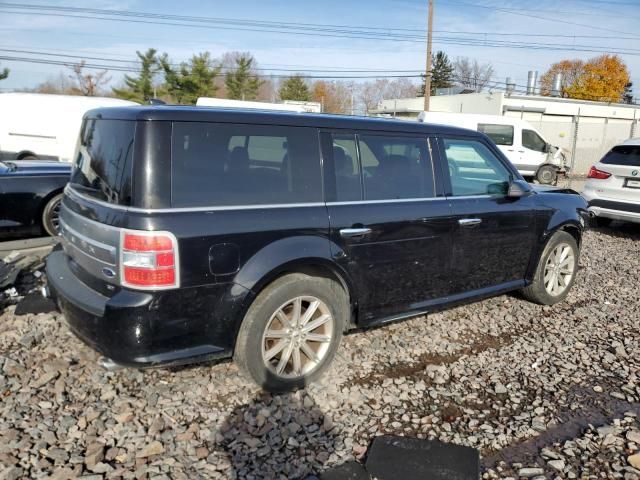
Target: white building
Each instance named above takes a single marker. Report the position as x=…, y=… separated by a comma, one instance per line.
x=587, y=130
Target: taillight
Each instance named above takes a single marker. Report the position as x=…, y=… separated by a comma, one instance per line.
x=598, y=174
x=149, y=260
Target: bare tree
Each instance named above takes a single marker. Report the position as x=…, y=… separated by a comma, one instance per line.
x=370, y=94
x=88, y=84
x=59, y=84
x=472, y=74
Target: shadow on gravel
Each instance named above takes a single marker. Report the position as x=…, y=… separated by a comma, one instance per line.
x=620, y=229
x=280, y=436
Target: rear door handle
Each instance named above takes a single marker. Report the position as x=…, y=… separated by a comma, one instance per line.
x=354, y=232
x=468, y=222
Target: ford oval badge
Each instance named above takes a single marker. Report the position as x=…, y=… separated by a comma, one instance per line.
x=107, y=272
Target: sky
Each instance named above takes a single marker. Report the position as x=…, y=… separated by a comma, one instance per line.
x=597, y=25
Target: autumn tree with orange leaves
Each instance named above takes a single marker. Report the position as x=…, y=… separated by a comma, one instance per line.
x=602, y=78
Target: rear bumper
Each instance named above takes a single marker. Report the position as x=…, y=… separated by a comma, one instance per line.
x=627, y=212
x=145, y=329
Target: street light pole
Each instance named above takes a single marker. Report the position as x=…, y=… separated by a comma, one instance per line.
x=427, y=73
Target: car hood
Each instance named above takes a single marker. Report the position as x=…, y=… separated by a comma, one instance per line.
x=38, y=167
x=552, y=189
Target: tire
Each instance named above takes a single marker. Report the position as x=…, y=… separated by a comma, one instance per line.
x=254, y=350
x=538, y=291
x=29, y=157
x=601, y=221
x=50, y=215
x=547, y=175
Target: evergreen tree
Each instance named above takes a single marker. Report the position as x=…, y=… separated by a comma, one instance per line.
x=4, y=73
x=295, y=88
x=627, y=95
x=140, y=88
x=242, y=83
x=441, y=73
x=191, y=80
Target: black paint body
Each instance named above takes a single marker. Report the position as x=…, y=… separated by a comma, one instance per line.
x=25, y=188
x=417, y=257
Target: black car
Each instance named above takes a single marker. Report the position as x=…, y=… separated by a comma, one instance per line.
x=30, y=195
x=191, y=233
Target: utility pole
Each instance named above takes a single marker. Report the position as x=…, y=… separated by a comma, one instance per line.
x=427, y=73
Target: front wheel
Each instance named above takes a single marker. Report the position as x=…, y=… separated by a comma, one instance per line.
x=556, y=270
x=291, y=332
x=51, y=215
x=547, y=175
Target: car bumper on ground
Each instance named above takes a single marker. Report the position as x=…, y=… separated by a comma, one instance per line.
x=142, y=329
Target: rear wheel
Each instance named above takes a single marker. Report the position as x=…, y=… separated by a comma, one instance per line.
x=291, y=332
x=51, y=215
x=547, y=175
x=556, y=270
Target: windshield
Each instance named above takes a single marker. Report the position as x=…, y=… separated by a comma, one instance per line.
x=103, y=163
x=628, y=155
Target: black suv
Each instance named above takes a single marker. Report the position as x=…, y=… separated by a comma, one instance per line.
x=191, y=233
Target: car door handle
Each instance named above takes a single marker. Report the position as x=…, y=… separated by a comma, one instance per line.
x=354, y=232
x=468, y=222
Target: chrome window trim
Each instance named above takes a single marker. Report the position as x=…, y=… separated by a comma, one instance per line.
x=391, y=200
x=193, y=209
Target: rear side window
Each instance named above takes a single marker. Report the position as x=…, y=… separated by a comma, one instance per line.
x=389, y=167
x=102, y=168
x=223, y=164
x=628, y=155
x=500, y=134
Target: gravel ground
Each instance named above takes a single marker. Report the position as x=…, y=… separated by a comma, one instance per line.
x=542, y=392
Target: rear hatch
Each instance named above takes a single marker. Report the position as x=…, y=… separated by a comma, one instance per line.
x=623, y=163
x=94, y=207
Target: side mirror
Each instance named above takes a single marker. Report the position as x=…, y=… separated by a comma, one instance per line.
x=547, y=147
x=518, y=188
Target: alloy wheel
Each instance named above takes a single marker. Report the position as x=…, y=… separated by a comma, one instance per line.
x=297, y=337
x=559, y=269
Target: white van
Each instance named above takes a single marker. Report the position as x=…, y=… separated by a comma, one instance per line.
x=521, y=143
x=44, y=126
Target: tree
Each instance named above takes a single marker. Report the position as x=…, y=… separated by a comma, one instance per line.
x=243, y=83
x=472, y=74
x=87, y=84
x=60, y=84
x=627, y=95
x=140, y=88
x=441, y=73
x=570, y=70
x=370, y=94
x=4, y=73
x=335, y=97
x=604, y=79
x=192, y=79
x=294, y=88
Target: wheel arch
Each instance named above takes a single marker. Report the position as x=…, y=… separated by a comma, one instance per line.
x=25, y=153
x=306, y=254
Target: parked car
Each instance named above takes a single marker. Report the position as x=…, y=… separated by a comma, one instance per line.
x=38, y=126
x=30, y=195
x=613, y=185
x=191, y=233
x=522, y=144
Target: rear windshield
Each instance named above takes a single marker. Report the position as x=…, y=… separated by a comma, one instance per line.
x=628, y=155
x=102, y=168
x=225, y=164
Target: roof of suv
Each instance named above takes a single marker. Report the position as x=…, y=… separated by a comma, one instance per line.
x=268, y=117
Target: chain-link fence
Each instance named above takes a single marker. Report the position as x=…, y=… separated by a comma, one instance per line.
x=584, y=140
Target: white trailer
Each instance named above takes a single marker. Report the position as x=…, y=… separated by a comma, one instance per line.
x=44, y=126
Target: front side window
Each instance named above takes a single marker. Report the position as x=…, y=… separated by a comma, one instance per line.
x=223, y=164
x=500, y=134
x=533, y=141
x=474, y=169
x=628, y=155
x=102, y=169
